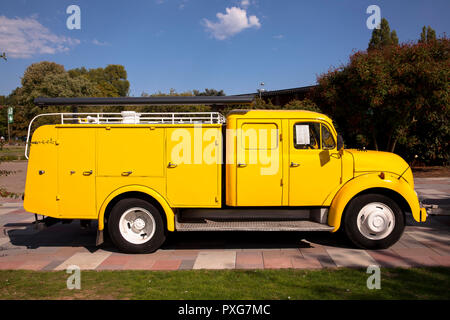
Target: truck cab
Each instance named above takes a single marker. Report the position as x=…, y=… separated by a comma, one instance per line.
x=144, y=175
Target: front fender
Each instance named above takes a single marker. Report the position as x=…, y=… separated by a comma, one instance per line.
x=369, y=181
x=170, y=216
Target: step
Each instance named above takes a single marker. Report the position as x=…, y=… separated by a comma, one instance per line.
x=318, y=214
x=245, y=225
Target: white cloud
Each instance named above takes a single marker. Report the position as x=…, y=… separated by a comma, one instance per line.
x=278, y=36
x=25, y=37
x=100, y=43
x=232, y=22
x=245, y=3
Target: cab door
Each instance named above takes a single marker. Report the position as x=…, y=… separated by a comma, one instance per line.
x=314, y=163
x=76, y=173
x=259, y=163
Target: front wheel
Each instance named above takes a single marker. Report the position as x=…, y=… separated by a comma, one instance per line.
x=373, y=221
x=136, y=226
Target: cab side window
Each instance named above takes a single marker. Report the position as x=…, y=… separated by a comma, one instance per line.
x=307, y=135
x=327, y=139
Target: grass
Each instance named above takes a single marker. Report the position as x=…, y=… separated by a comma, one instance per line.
x=12, y=152
x=414, y=283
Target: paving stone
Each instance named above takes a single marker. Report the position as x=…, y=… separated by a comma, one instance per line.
x=387, y=258
x=351, y=257
x=421, y=261
x=114, y=262
x=186, y=264
x=10, y=265
x=139, y=264
x=84, y=260
x=302, y=263
x=439, y=247
x=249, y=260
x=414, y=252
x=216, y=260
x=442, y=260
x=319, y=254
x=52, y=265
x=34, y=264
x=166, y=265
x=410, y=242
x=431, y=236
x=273, y=260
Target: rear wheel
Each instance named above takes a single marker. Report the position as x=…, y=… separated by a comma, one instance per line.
x=136, y=226
x=373, y=221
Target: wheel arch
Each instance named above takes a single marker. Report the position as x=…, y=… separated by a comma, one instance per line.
x=397, y=190
x=140, y=192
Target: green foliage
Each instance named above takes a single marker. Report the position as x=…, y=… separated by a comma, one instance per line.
x=109, y=82
x=305, y=104
x=394, y=95
x=383, y=36
x=49, y=79
x=208, y=92
x=186, y=108
x=427, y=35
x=3, y=56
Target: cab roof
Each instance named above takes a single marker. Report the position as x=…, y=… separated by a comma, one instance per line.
x=277, y=114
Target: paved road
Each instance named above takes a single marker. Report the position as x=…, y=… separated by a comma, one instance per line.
x=23, y=247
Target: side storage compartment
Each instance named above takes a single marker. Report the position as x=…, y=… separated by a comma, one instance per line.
x=194, y=166
x=40, y=186
x=76, y=172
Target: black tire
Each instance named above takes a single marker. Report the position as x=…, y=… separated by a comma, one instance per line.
x=159, y=235
x=357, y=237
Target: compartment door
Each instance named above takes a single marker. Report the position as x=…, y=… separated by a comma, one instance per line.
x=259, y=163
x=194, y=166
x=76, y=173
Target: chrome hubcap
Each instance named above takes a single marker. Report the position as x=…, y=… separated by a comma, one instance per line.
x=137, y=225
x=376, y=221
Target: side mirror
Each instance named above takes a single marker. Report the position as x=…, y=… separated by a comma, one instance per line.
x=340, y=142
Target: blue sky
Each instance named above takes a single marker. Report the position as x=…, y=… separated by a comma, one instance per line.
x=185, y=44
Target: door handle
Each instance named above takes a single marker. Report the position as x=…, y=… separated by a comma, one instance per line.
x=171, y=165
x=127, y=173
x=87, y=173
x=242, y=165
x=293, y=164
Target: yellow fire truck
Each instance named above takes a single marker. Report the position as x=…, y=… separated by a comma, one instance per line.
x=142, y=175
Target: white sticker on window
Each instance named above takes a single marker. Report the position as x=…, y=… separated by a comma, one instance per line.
x=302, y=134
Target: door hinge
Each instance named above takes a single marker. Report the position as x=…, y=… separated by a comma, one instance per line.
x=281, y=182
x=281, y=137
x=57, y=198
x=216, y=199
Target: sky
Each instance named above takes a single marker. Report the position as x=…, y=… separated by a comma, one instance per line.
x=232, y=45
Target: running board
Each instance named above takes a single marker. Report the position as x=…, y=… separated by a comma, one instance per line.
x=227, y=225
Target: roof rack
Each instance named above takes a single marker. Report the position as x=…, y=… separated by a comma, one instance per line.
x=131, y=118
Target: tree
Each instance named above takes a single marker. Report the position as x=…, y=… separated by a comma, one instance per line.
x=45, y=79
x=393, y=95
x=208, y=92
x=305, y=104
x=3, y=56
x=383, y=36
x=110, y=81
x=427, y=35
